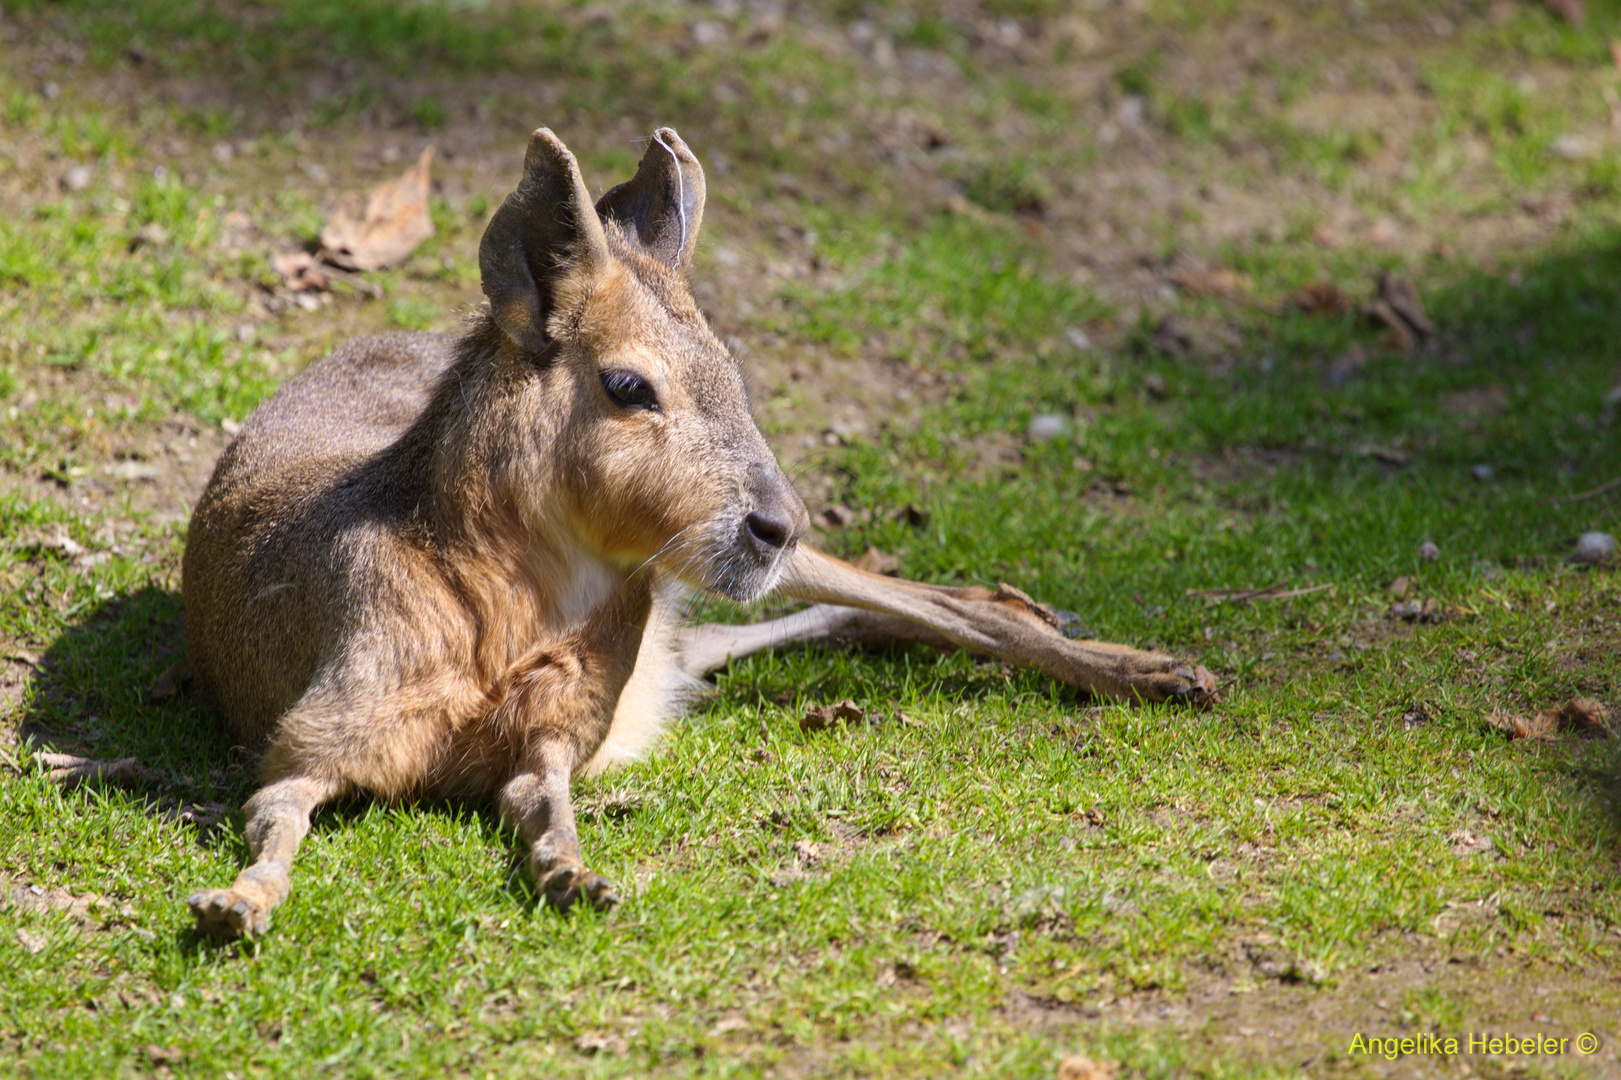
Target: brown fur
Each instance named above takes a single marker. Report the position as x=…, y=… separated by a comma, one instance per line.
x=432, y=565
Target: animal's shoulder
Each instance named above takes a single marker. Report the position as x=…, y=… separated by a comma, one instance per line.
x=366, y=390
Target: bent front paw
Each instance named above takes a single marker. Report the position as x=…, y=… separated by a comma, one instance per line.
x=564, y=885
x=229, y=913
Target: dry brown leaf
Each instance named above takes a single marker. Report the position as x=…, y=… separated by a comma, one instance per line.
x=1390, y=455
x=383, y=226
x=822, y=717
x=835, y=517
x=1328, y=236
x=1572, y=11
x=168, y=682
x=1586, y=716
x=878, y=561
x=1081, y=1067
x=299, y=271
x=1427, y=610
x=1397, y=306
x=1518, y=726
x=1219, y=281
x=1322, y=298
x=913, y=515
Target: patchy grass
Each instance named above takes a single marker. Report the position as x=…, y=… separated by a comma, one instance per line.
x=929, y=224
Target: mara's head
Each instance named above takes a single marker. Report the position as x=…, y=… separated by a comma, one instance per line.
x=633, y=420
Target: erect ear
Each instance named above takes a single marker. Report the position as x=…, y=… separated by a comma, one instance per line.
x=661, y=207
x=543, y=230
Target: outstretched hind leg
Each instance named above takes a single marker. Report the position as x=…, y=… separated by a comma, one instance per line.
x=278, y=819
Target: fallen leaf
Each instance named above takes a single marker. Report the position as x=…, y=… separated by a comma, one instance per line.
x=1397, y=306
x=382, y=227
x=877, y=561
x=727, y=1025
x=913, y=515
x=169, y=681
x=1572, y=11
x=1173, y=338
x=299, y=271
x=1427, y=610
x=1387, y=454
x=132, y=471
x=150, y=235
x=1080, y=1067
x=1586, y=716
x=1470, y=843
x=1196, y=279
x=1322, y=298
x=1519, y=726
x=592, y=1043
x=835, y=517
x=1328, y=236
x=822, y=717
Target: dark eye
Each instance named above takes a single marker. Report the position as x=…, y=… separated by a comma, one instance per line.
x=629, y=389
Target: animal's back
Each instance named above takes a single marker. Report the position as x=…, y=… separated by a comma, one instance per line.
x=259, y=570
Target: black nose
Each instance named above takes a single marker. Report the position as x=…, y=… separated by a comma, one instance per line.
x=769, y=534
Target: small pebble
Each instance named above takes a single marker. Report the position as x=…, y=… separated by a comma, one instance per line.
x=1428, y=551
x=1573, y=147
x=1483, y=473
x=1594, y=548
x=77, y=178
x=1078, y=338
x=1048, y=426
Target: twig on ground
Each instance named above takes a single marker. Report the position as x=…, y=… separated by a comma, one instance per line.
x=1609, y=485
x=1280, y=591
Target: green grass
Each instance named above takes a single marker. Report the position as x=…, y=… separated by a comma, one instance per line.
x=1011, y=873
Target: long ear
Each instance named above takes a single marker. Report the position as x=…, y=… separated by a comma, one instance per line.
x=662, y=206
x=543, y=229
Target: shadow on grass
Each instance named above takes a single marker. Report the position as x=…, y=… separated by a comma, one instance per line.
x=1519, y=377
x=92, y=700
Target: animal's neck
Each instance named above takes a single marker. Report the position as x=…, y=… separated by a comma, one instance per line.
x=496, y=515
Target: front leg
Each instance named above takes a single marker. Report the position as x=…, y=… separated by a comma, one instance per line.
x=278, y=819
x=558, y=705
x=537, y=802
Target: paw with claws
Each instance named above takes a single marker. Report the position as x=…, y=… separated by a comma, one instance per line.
x=244, y=909
x=563, y=885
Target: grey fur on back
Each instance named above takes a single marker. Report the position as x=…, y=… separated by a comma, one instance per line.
x=323, y=431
